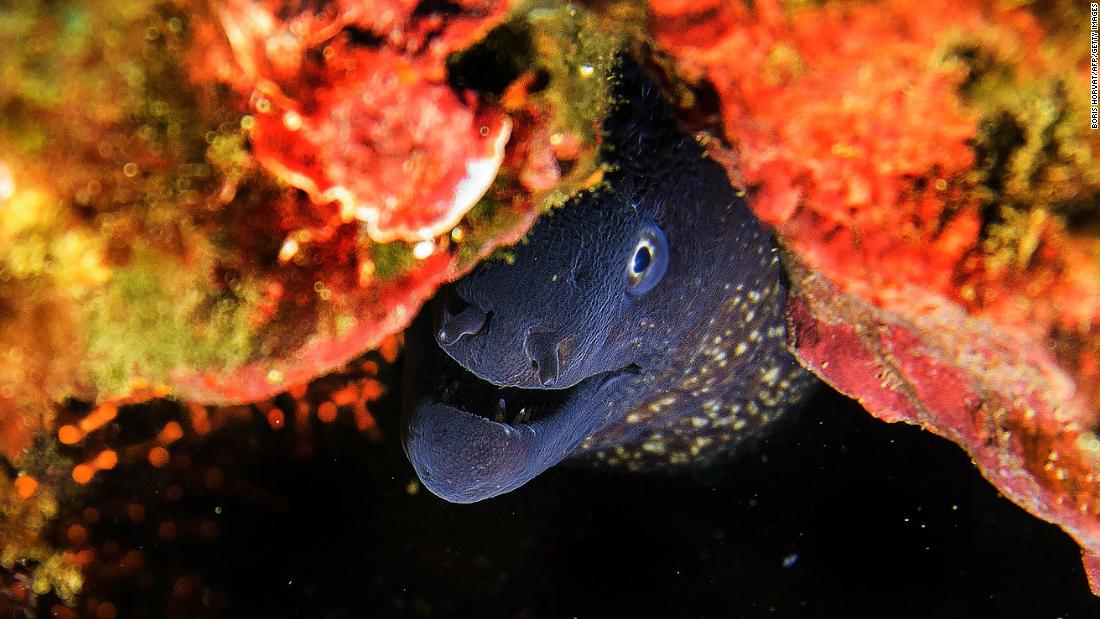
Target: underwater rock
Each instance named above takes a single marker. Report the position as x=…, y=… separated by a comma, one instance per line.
x=1005, y=401
x=372, y=126
x=250, y=195
x=410, y=183
x=931, y=169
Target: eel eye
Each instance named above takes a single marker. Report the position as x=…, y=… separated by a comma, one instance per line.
x=648, y=260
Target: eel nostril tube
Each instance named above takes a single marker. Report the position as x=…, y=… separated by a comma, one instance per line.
x=548, y=370
x=542, y=349
x=467, y=322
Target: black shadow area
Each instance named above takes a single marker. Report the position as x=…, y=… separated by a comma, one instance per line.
x=835, y=514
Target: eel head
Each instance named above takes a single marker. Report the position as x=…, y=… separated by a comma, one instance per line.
x=527, y=358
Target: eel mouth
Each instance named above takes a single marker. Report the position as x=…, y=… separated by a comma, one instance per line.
x=470, y=439
x=463, y=390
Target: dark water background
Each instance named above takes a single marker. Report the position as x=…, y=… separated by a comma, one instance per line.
x=834, y=514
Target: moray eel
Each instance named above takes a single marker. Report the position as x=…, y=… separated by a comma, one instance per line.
x=639, y=325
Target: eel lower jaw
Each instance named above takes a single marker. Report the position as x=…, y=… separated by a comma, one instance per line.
x=464, y=457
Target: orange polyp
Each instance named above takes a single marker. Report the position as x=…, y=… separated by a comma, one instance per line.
x=91, y=515
x=133, y=559
x=107, y=459
x=276, y=419
x=18, y=591
x=25, y=486
x=372, y=389
x=106, y=610
x=200, y=420
x=69, y=435
x=363, y=419
x=158, y=457
x=170, y=433
x=80, y=558
x=77, y=534
x=345, y=396
x=326, y=412
x=99, y=417
x=136, y=512
x=389, y=349
x=83, y=473
x=104, y=460
x=298, y=391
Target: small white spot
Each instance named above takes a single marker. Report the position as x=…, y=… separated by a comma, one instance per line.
x=7, y=183
x=288, y=250
x=423, y=249
x=292, y=121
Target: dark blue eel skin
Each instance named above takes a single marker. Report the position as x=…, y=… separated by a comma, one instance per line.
x=641, y=325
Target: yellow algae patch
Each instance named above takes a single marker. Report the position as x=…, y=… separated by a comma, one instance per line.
x=26, y=510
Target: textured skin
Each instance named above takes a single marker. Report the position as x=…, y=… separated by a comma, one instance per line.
x=674, y=375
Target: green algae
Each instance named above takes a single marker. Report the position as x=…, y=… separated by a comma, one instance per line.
x=153, y=316
x=392, y=260
x=25, y=523
x=571, y=51
x=125, y=226
x=1036, y=159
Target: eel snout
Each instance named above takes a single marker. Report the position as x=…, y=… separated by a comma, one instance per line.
x=469, y=439
x=464, y=458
